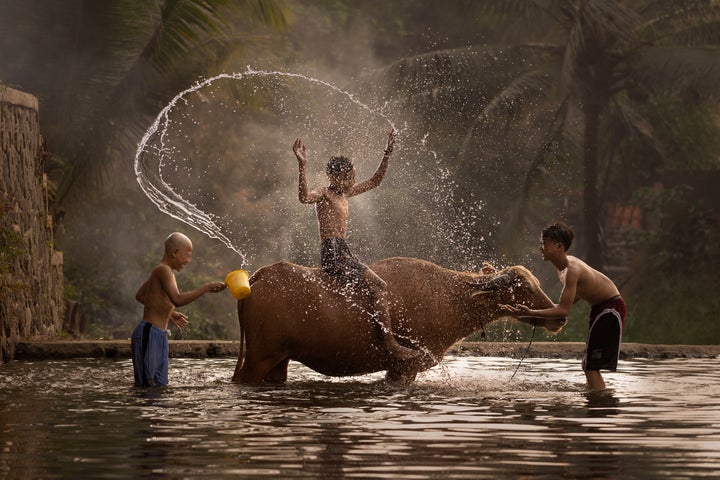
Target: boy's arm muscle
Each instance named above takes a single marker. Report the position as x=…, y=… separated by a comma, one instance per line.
x=179, y=299
x=560, y=310
x=568, y=296
x=169, y=285
x=304, y=195
x=377, y=177
x=371, y=182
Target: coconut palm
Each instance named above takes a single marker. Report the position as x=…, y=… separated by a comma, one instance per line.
x=156, y=49
x=596, y=60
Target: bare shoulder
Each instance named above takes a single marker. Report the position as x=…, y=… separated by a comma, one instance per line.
x=160, y=269
x=161, y=272
x=580, y=266
x=577, y=263
x=321, y=193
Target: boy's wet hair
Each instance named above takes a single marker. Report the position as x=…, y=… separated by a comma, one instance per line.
x=559, y=232
x=338, y=165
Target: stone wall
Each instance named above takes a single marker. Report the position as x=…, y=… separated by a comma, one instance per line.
x=31, y=276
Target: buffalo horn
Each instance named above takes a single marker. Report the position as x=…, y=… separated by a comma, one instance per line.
x=500, y=281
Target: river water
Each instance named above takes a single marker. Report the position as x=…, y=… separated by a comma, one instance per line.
x=463, y=419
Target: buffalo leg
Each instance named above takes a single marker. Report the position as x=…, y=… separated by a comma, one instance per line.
x=257, y=370
x=278, y=374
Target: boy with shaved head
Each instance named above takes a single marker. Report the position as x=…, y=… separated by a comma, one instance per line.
x=160, y=295
x=331, y=206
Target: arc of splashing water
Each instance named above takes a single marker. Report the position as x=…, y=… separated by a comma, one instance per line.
x=164, y=196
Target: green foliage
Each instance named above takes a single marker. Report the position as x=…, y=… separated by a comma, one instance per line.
x=675, y=299
x=690, y=132
x=684, y=240
x=675, y=308
x=12, y=247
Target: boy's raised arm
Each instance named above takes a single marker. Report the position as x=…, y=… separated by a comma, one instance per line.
x=377, y=177
x=303, y=195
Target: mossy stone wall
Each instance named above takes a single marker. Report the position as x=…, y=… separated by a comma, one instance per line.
x=31, y=270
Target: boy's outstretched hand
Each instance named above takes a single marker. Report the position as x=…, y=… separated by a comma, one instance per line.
x=299, y=150
x=519, y=310
x=180, y=320
x=216, y=287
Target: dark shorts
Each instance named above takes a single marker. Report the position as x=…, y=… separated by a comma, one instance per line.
x=337, y=260
x=603, y=342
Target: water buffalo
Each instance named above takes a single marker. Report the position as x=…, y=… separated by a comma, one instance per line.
x=300, y=313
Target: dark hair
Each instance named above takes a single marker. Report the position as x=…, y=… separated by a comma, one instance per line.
x=559, y=232
x=338, y=165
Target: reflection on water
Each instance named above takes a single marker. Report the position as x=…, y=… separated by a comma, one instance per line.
x=464, y=419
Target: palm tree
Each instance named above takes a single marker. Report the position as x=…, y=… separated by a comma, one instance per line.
x=598, y=59
x=187, y=39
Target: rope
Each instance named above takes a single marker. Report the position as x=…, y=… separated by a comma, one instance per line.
x=524, y=354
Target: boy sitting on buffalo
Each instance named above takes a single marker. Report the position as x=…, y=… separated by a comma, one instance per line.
x=331, y=205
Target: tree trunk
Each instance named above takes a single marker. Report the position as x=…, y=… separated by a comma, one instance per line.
x=593, y=253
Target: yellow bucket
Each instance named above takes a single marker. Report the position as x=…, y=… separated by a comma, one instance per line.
x=239, y=283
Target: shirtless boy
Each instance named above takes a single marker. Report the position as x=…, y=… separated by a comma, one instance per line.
x=160, y=295
x=331, y=205
x=581, y=282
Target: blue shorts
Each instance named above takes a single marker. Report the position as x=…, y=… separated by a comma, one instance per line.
x=150, y=355
x=603, y=343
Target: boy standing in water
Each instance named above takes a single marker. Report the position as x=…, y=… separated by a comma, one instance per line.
x=582, y=282
x=160, y=295
x=331, y=205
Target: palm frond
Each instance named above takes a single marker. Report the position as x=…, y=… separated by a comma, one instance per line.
x=599, y=29
x=673, y=69
x=609, y=21
x=488, y=66
x=538, y=166
x=520, y=94
x=185, y=25
x=691, y=22
x=624, y=117
x=190, y=37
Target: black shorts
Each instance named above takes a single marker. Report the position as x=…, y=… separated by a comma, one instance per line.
x=337, y=260
x=604, y=336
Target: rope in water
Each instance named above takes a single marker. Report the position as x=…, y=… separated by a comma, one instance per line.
x=524, y=354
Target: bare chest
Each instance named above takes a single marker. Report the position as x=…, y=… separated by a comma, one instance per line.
x=333, y=206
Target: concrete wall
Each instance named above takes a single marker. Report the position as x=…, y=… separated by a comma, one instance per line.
x=31, y=276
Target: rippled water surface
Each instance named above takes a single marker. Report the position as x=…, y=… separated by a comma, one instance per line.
x=463, y=419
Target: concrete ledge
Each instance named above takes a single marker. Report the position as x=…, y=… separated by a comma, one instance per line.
x=120, y=349
x=50, y=350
